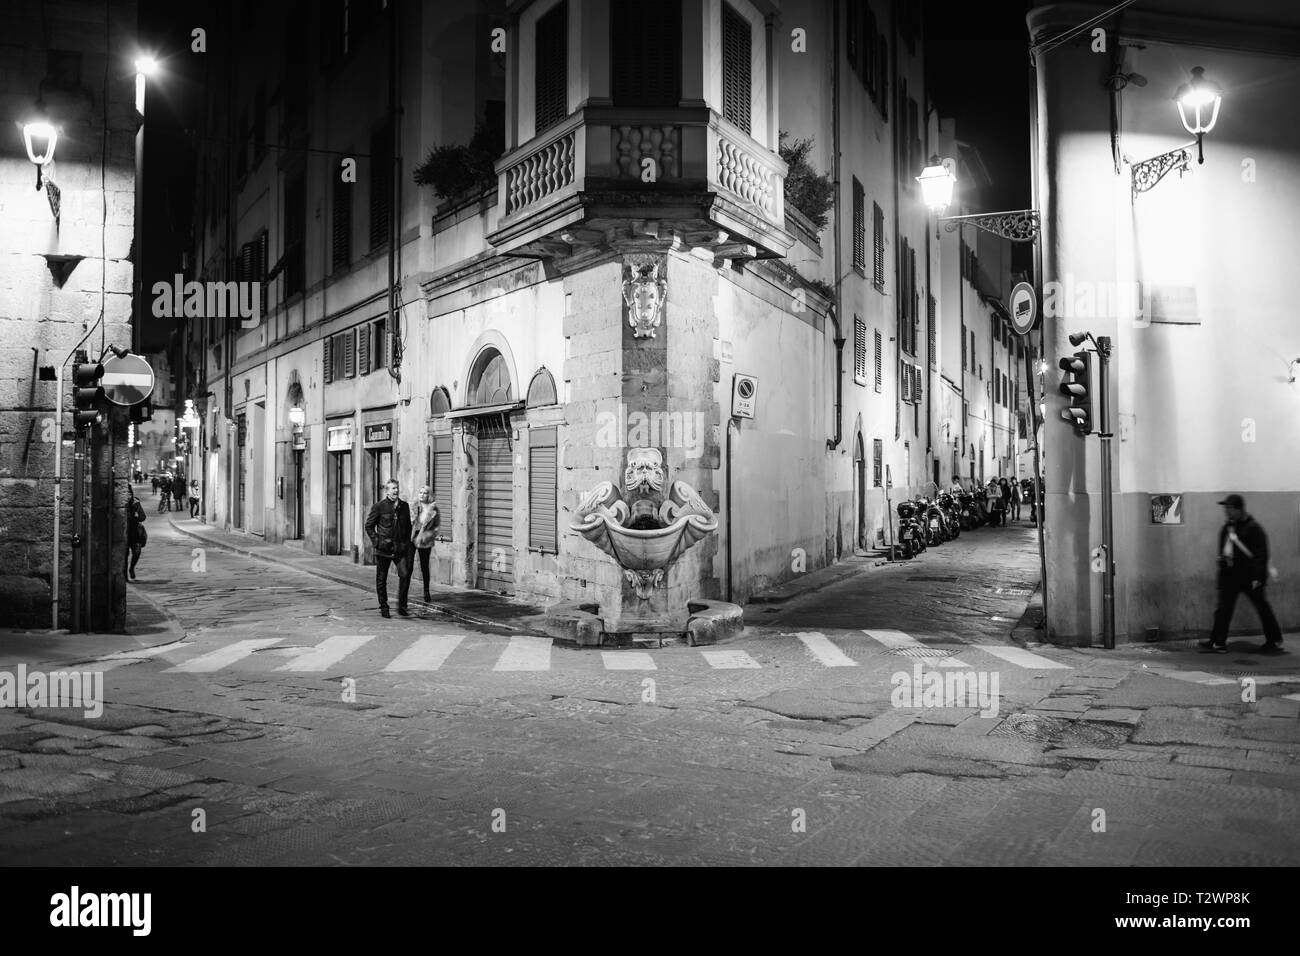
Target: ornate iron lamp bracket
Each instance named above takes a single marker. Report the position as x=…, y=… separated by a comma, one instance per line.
x=1150, y=171
x=1018, y=225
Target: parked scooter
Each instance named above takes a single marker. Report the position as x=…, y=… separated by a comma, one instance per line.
x=911, y=535
x=969, y=516
x=935, y=522
x=952, y=513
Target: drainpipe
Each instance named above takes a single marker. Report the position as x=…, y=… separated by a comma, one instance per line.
x=834, y=313
x=395, y=194
x=727, y=513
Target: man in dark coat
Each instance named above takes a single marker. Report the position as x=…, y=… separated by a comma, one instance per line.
x=1243, y=569
x=389, y=528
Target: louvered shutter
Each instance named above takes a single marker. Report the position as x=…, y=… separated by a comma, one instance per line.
x=736, y=54
x=914, y=301
x=859, y=350
x=380, y=357
x=878, y=240
x=551, y=73
x=930, y=329
x=917, y=379
x=859, y=226
x=879, y=356
x=350, y=354
x=542, y=487
x=328, y=363
x=363, y=350
x=381, y=184
x=263, y=266
x=646, y=63
x=342, y=223
x=441, y=484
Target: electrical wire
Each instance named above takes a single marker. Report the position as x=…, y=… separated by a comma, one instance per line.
x=1047, y=46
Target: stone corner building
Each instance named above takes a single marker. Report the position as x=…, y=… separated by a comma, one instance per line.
x=598, y=289
x=65, y=275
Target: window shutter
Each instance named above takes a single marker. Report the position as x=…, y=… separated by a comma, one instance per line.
x=736, y=54
x=363, y=349
x=350, y=354
x=859, y=351
x=328, y=364
x=878, y=240
x=879, y=350
x=930, y=330
x=381, y=184
x=342, y=223
x=380, y=357
x=441, y=483
x=551, y=73
x=877, y=461
x=646, y=63
x=859, y=226
x=917, y=379
x=914, y=301
x=542, y=487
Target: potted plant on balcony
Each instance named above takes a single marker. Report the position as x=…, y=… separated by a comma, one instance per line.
x=459, y=171
x=806, y=190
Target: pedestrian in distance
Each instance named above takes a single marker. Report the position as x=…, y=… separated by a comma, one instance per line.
x=194, y=498
x=424, y=528
x=1243, y=569
x=153, y=480
x=136, y=536
x=388, y=525
x=1014, y=488
x=164, y=493
x=180, y=490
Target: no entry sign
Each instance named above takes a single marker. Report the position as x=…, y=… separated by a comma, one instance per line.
x=127, y=380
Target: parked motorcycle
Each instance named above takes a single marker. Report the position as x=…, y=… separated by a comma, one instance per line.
x=911, y=534
x=952, y=513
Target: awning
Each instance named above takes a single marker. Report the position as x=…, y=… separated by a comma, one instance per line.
x=476, y=410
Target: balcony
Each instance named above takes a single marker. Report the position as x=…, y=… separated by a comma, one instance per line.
x=586, y=181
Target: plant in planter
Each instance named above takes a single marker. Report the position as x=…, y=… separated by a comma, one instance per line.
x=454, y=170
x=807, y=190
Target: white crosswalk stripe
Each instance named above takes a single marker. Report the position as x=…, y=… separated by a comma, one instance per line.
x=327, y=653
x=729, y=660
x=110, y=661
x=824, y=650
x=427, y=653
x=628, y=661
x=905, y=645
x=1021, y=657
x=526, y=654
x=222, y=656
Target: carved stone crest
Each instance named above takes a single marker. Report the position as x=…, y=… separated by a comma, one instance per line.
x=644, y=291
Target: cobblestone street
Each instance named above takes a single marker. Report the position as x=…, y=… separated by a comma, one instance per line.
x=308, y=730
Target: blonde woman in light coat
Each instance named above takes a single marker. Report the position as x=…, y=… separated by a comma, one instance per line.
x=424, y=526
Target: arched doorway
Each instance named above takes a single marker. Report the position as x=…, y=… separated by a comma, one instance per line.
x=490, y=386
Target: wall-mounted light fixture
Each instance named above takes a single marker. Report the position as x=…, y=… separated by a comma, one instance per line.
x=1198, y=103
x=937, y=181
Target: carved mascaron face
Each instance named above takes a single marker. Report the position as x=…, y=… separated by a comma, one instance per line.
x=644, y=474
x=644, y=292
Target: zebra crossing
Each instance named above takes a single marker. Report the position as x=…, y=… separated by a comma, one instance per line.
x=528, y=654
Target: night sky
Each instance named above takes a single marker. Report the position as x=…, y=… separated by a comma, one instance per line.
x=977, y=57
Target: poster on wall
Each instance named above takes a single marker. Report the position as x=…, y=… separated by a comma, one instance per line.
x=1166, y=509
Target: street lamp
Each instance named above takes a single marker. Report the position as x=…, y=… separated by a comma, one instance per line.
x=145, y=66
x=937, y=181
x=40, y=137
x=1199, y=96
x=1198, y=103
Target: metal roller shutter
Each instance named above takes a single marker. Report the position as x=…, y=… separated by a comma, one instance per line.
x=542, y=482
x=496, y=545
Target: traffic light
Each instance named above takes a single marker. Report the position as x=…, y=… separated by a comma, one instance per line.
x=86, y=391
x=1077, y=387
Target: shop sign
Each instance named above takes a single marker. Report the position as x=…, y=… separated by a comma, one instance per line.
x=339, y=437
x=379, y=434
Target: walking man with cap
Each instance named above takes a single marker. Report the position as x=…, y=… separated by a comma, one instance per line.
x=1243, y=569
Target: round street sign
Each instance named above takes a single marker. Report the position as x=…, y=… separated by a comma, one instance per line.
x=1024, y=307
x=127, y=380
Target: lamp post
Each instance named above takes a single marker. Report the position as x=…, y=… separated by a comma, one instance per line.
x=145, y=66
x=40, y=136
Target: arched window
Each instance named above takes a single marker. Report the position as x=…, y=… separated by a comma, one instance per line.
x=541, y=390
x=439, y=402
x=489, y=380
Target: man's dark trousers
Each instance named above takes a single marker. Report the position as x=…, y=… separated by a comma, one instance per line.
x=402, y=563
x=1229, y=587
